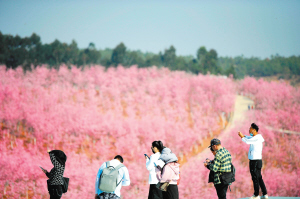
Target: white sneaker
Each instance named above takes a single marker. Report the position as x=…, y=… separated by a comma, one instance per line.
x=265, y=196
x=254, y=197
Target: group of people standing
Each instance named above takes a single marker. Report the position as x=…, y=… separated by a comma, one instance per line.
x=163, y=170
x=164, y=173
x=222, y=164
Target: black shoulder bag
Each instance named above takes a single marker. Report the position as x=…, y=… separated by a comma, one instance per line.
x=228, y=177
x=65, y=185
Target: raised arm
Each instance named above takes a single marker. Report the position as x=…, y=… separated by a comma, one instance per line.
x=251, y=140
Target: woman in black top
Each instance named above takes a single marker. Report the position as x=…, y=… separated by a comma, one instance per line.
x=55, y=181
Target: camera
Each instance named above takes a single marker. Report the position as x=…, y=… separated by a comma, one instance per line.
x=208, y=162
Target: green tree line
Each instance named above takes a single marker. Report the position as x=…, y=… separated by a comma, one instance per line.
x=30, y=52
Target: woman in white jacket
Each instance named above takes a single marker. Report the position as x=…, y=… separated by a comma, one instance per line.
x=154, y=193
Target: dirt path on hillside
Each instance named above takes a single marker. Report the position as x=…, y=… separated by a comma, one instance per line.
x=240, y=109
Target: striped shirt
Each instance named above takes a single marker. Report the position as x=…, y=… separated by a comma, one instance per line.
x=221, y=164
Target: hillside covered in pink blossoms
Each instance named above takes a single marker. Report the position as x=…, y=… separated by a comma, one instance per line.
x=93, y=114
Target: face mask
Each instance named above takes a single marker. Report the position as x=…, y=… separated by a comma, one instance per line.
x=251, y=134
x=152, y=150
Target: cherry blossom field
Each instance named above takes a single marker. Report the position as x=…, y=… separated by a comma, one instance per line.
x=276, y=112
x=94, y=114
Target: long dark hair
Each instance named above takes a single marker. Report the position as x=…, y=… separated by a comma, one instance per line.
x=158, y=144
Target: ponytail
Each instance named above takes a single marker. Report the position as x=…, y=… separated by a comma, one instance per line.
x=158, y=144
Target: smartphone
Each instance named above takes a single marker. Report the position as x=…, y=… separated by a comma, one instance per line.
x=146, y=155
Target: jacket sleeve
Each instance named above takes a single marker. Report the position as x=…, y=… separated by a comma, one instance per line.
x=98, y=178
x=126, y=178
x=158, y=173
x=150, y=163
x=215, y=165
x=251, y=140
x=51, y=173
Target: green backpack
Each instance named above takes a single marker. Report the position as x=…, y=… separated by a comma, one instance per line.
x=109, y=178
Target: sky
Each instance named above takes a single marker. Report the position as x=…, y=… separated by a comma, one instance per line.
x=256, y=28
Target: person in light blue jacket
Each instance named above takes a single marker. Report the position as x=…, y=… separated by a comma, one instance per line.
x=154, y=193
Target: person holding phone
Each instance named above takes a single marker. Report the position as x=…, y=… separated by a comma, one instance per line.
x=55, y=181
x=157, y=147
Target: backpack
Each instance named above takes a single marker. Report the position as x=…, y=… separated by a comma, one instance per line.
x=228, y=177
x=109, y=178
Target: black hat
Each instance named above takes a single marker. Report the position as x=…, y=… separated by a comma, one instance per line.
x=214, y=141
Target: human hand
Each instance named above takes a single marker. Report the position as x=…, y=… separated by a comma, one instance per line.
x=48, y=150
x=205, y=164
x=240, y=134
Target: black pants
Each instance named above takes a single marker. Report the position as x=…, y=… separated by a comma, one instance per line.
x=255, y=170
x=171, y=193
x=55, y=191
x=108, y=196
x=154, y=193
x=221, y=190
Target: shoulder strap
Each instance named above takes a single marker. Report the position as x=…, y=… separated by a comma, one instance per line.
x=119, y=166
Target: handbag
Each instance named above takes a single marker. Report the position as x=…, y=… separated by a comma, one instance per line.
x=228, y=177
x=162, y=186
x=65, y=185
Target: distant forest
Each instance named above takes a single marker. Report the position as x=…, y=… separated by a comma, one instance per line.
x=29, y=51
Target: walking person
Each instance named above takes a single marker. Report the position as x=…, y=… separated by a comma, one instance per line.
x=55, y=181
x=111, y=176
x=220, y=165
x=255, y=160
x=154, y=193
x=167, y=170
